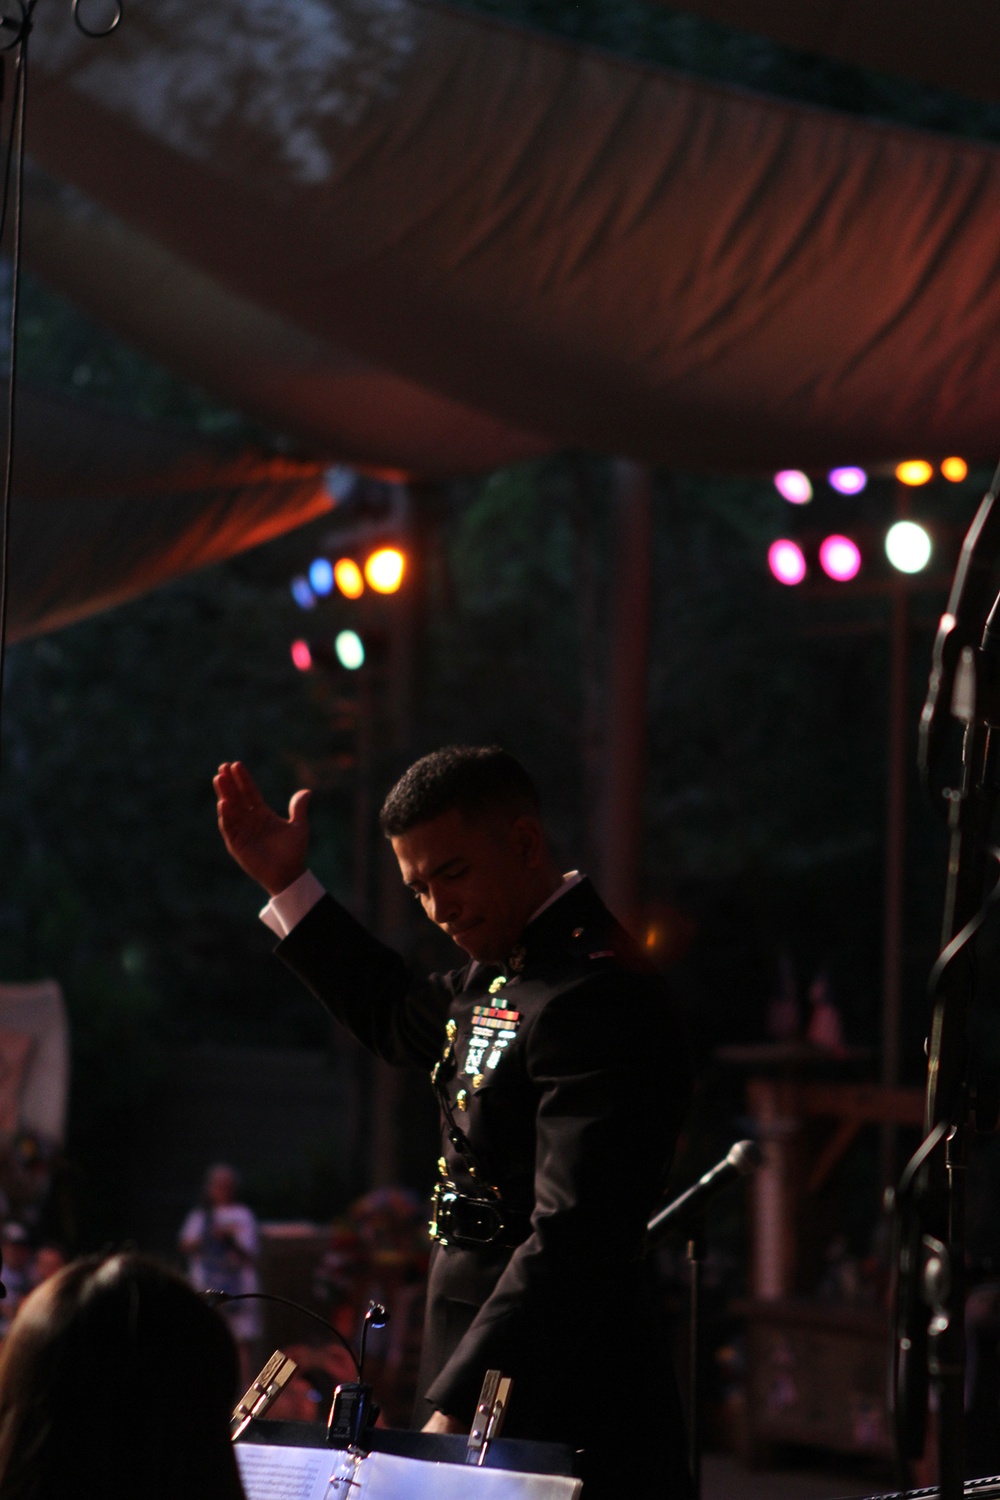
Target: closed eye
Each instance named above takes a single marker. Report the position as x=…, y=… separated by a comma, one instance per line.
x=451, y=871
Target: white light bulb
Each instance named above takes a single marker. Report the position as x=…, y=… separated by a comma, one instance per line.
x=908, y=547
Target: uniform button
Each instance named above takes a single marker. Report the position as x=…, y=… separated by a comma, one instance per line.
x=442, y=1166
x=478, y=1081
x=462, y=1099
x=451, y=1031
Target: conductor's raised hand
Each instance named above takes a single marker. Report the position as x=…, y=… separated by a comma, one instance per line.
x=270, y=848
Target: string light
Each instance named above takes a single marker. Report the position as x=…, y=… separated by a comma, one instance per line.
x=347, y=576
x=848, y=480
x=794, y=486
x=384, y=570
x=908, y=547
x=350, y=650
x=839, y=558
x=914, y=471
x=786, y=561
x=321, y=576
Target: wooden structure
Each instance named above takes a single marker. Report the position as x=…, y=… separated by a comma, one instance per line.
x=790, y=1113
x=816, y=1371
x=816, y=1374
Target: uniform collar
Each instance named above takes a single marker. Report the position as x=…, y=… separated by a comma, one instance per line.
x=555, y=918
x=569, y=880
x=576, y=905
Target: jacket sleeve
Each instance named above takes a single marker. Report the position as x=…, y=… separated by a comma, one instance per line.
x=368, y=987
x=611, y=1081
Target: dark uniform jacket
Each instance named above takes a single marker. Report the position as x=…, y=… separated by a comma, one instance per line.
x=566, y=1072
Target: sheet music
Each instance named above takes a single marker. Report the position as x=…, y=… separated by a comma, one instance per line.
x=273, y=1473
x=278, y=1473
x=393, y=1478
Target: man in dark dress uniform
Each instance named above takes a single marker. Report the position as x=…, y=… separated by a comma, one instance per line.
x=562, y=1079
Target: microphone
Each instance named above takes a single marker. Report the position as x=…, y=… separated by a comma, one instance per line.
x=742, y=1160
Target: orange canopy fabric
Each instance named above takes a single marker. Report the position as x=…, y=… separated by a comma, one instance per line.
x=522, y=240
x=107, y=507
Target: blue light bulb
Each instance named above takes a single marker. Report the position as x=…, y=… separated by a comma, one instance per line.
x=321, y=576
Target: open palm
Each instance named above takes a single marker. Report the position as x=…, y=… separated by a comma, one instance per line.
x=270, y=848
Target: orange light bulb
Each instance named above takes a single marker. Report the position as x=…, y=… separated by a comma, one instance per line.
x=384, y=570
x=954, y=469
x=347, y=577
x=914, y=471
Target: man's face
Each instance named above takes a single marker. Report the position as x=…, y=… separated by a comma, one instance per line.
x=477, y=879
x=221, y=1187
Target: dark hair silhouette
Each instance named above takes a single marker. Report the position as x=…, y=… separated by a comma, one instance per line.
x=475, y=779
x=117, y=1381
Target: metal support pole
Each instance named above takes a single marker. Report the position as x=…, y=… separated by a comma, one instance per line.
x=394, y=908
x=895, y=845
x=628, y=690
x=696, y=1253
x=895, y=855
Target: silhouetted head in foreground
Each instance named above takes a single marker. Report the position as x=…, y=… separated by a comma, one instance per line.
x=117, y=1381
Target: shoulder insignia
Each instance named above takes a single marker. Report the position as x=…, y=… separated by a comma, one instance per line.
x=591, y=942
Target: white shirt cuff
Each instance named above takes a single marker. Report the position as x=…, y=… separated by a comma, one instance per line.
x=286, y=910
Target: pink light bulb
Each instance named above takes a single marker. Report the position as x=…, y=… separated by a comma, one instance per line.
x=839, y=558
x=786, y=562
x=848, y=480
x=794, y=486
x=301, y=655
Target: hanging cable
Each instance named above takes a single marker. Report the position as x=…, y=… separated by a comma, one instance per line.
x=14, y=154
x=14, y=33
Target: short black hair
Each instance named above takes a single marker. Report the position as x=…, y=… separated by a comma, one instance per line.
x=475, y=779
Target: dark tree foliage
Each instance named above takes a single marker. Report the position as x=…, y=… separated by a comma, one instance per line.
x=656, y=34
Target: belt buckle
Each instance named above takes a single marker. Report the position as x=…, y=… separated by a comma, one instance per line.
x=459, y=1220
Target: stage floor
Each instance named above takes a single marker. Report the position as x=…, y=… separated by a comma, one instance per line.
x=724, y=1479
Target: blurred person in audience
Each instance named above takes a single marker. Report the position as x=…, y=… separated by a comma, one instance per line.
x=117, y=1381
x=49, y=1258
x=16, y=1250
x=221, y=1240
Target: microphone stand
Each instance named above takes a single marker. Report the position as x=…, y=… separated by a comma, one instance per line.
x=688, y=1212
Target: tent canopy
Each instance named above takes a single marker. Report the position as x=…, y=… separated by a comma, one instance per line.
x=518, y=242
x=107, y=507
x=428, y=243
